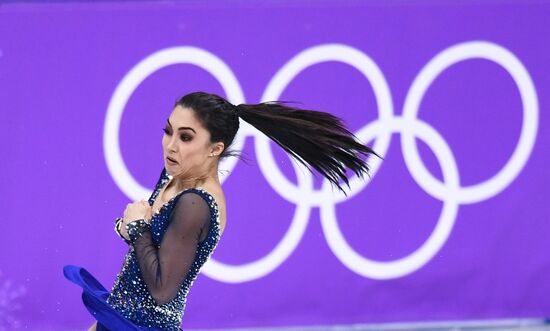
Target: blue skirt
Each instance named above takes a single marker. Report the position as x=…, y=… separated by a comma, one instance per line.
x=94, y=297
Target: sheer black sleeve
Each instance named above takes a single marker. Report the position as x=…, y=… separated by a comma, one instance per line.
x=164, y=268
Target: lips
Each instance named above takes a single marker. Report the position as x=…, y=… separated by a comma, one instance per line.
x=171, y=160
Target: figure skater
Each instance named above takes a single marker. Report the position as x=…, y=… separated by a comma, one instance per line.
x=173, y=234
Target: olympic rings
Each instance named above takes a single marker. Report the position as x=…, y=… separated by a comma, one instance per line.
x=303, y=195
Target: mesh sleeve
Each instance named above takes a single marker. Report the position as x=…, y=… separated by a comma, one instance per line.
x=165, y=267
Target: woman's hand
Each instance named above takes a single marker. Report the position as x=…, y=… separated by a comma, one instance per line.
x=135, y=211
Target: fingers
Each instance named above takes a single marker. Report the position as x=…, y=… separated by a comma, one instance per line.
x=142, y=202
x=136, y=210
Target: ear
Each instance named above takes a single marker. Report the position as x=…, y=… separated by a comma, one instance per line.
x=217, y=148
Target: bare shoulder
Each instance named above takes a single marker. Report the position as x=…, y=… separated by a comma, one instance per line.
x=217, y=193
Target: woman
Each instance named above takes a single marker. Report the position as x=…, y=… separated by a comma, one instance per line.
x=173, y=234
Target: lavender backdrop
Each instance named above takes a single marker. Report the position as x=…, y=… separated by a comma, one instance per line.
x=61, y=64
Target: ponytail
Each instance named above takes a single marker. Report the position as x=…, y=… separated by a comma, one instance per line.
x=314, y=138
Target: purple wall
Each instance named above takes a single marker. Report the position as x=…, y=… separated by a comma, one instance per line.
x=452, y=228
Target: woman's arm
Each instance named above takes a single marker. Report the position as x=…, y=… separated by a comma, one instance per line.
x=164, y=268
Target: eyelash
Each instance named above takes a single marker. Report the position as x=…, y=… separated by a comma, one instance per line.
x=166, y=131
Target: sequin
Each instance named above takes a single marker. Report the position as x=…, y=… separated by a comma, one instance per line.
x=130, y=295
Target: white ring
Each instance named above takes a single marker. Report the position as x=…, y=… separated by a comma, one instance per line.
x=443, y=60
x=412, y=262
x=162, y=58
x=265, y=265
x=303, y=60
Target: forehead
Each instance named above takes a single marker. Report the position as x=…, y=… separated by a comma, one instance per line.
x=183, y=116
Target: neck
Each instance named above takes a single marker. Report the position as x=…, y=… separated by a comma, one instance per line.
x=211, y=176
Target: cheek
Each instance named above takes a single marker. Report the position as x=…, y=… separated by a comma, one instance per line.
x=192, y=153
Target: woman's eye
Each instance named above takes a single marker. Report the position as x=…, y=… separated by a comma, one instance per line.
x=166, y=131
x=185, y=137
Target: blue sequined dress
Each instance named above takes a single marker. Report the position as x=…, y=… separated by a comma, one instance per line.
x=163, y=259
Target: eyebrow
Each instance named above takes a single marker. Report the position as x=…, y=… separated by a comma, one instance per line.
x=183, y=127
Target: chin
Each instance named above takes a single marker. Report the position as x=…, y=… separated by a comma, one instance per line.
x=172, y=169
x=168, y=168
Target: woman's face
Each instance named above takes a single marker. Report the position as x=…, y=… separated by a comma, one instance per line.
x=186, y=144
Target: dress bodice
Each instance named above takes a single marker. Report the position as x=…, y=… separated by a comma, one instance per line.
x=130, y=295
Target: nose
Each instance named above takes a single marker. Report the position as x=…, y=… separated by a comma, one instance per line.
x=171, y=147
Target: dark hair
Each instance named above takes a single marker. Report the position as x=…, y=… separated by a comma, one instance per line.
x=314, y=138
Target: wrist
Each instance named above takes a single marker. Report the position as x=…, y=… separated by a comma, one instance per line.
x=119, y=221
x=136, y=229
